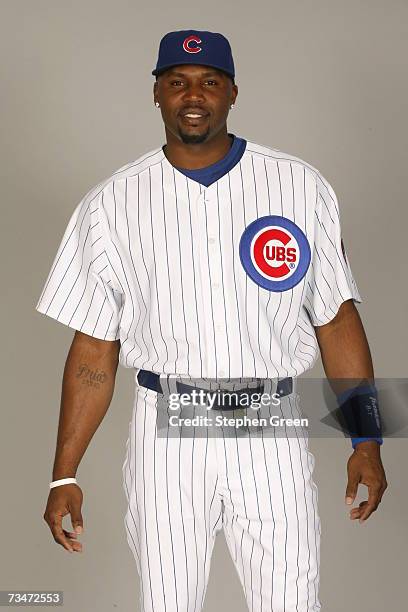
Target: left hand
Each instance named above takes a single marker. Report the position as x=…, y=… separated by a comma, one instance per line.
x=365, y=467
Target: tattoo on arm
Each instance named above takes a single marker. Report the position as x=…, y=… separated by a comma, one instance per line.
x=91, y=378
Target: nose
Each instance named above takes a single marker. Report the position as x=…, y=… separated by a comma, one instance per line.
x=194, y=92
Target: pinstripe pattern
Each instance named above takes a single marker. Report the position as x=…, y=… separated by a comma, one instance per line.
x=182, y=491
x=151, y=258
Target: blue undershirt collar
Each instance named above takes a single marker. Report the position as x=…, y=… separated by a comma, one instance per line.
x=208, y=175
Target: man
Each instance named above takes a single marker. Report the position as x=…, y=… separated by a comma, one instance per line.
x=209, y=258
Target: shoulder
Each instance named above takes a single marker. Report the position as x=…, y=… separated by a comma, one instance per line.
x=135, y=167
x=273, y=155
x=131, y=169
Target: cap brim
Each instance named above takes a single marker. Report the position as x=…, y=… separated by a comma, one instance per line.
x=162, y=69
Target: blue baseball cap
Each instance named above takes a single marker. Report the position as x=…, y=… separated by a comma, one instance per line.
x=195, y=47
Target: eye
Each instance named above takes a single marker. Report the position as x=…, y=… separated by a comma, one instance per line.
x=176, y=82
x=211, y=81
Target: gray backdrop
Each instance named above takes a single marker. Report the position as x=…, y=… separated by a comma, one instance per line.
x=324, y=80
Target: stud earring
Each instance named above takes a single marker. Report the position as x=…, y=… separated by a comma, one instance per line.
x=157, y=104
x=232, y=106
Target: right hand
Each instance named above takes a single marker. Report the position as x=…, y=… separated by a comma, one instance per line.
x=63, y=500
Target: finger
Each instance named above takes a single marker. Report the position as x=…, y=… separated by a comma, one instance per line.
x=76, y=545
x=351, y=489
x=70, y=534
x=382, y=490
x=76, y=519
x=356, y=512
x=58, y=532
x=372, y=503
x=73, y=540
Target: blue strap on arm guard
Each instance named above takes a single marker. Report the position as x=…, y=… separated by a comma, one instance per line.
x=359, y=407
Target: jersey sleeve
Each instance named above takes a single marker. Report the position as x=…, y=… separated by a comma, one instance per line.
x=78, y=290
x=330, y=282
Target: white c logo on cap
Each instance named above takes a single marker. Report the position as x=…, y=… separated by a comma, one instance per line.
x=190, y=39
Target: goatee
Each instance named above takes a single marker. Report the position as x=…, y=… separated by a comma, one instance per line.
x=193, y=138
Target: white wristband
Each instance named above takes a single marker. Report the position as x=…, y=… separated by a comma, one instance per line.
x=62, y=481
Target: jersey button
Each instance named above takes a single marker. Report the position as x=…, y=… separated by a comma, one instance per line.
x=211, y=240
x=216, y=285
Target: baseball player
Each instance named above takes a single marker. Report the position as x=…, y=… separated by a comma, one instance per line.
x=210, y=257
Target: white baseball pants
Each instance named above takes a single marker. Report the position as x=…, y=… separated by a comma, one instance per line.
x=182, y=491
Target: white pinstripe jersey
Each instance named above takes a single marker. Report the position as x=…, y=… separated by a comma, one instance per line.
x=152, y=258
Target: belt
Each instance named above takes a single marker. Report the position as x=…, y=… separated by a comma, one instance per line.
x=151, y=381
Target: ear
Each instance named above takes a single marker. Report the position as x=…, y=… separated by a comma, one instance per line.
x=234, y=93
x=155, y=89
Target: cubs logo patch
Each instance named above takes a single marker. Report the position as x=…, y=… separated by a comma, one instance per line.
x=274, y=252
x=187, y=44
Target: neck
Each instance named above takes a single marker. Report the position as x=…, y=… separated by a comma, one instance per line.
x=194, y=156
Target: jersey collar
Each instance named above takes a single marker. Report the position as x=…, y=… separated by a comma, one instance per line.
x=210, y=174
